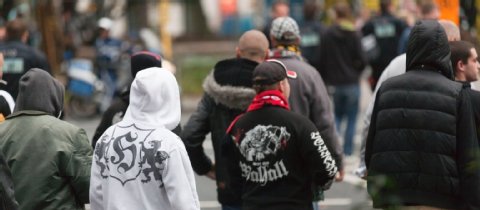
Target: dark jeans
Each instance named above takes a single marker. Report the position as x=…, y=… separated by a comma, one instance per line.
x=346, y=100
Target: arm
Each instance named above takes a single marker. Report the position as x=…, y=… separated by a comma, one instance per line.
x=321, y=114
x=96, y=193
x=179, y=180
x=194, y=133
x=468, y=159
x=360, y=59
x=317, y=156
x=7, y=197
x=117, y=108
x=232, y=159
x=371, y=131
x=78, y=166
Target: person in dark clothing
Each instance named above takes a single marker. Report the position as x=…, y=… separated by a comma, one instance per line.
x=274, y=154
x=311, y=30
x=341, y=62
x=6, y=101
x=19, y=57
x=139, y=61
x=227, y=94
x=465, y=64
x=280, y=8
x=386, y=29
x=422, y=147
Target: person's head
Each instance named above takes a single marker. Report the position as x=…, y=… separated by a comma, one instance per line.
x=272, y=75
x=17, y=30
x=429, y=11
x=144, y=60
x=428, y=49
x=310, y=9
x=386, y=6
x=154, y=99
x=284, y=31
x=253, y=45
x=453, y=33
x=104, y=26
x=39, y=91
x=342, y=11
x=280, y=9
x=464, y=61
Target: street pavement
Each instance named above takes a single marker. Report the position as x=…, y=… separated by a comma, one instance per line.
x=351, y=194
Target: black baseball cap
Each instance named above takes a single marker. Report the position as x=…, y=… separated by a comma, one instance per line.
x=270, y=72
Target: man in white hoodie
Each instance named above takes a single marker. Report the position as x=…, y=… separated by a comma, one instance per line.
x=139, y=163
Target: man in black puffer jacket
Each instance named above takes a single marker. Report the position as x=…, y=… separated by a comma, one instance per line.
x=228, y=92
x=421, y=146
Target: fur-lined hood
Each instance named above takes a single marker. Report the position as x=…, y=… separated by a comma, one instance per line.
x=235, y=97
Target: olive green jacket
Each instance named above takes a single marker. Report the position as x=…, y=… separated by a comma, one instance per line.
x=50, y=161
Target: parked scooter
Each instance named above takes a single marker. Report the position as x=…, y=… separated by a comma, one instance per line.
x=85, y=88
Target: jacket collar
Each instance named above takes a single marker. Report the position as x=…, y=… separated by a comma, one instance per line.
x=26, y=113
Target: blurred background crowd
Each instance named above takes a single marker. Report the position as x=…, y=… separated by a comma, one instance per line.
x=192, y=34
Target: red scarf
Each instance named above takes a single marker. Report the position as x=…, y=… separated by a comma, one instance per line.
x=269, y=97
x=265, y=98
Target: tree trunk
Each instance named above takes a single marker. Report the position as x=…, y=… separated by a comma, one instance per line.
x=195, y=20
x=52, y=39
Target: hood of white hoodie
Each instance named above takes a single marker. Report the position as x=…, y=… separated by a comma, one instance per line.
x=154, y=99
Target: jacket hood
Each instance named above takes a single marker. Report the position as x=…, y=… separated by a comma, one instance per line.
x=230, y=83
x=343, y=29
x=40, y=92
x=428, y=49
x=154, y=99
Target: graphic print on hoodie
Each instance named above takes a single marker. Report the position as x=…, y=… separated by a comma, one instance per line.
x=139, y=163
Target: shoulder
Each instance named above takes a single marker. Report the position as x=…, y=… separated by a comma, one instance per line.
x=169, y=140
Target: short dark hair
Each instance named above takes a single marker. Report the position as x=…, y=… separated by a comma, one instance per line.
x=427, y=7
x=384, y=6
x=310, y=9
x=460, y=51
x=342, y=10
x=16, y=29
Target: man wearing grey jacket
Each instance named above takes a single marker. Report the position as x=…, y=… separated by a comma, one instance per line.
x=309, y=96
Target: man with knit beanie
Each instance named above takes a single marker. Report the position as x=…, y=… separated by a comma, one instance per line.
x=139, y=61
x=227, y=94
x=309, y=94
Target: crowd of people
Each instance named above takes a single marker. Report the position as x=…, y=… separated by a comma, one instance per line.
x=275, y=116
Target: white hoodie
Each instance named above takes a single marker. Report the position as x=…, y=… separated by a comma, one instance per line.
x=139, y=163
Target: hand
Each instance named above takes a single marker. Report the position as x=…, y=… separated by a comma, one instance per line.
x=365, y=175
x=211, y=174
x=339, y=176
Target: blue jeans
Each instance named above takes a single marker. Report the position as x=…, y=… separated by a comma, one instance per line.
x=346, y=100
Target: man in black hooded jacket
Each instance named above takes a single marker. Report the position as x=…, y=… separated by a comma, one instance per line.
x=228, y=92
x=414, y=154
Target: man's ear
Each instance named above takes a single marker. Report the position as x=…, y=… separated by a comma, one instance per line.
x=25, y=37
x=237, y=52
x=460, y=66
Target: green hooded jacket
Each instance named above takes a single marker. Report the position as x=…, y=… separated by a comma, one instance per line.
x=50, y=159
